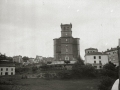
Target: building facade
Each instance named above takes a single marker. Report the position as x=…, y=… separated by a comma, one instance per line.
x=113, y=55
x=95, y=58
x=18, y=59
x=7, y=69
x=66, y=47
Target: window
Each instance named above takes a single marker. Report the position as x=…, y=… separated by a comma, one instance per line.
x=1, y=73
x=100, y=62
x=94, y=61
x=94, y=57
x=6, y=69
x=66, y=39
x=11, y=73
x=6, y=73
x=66, y=58
x=11, y=69
x=1, y=69
x=100, y=66
x=95, y=66
x=64, y=28
x=99, y=57
x=66, y=50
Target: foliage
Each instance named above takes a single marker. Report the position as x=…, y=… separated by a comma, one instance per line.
x=65, y=74
x=110, y=74
x=106, y=83
x=25, y=58
x=80, y=70
x=22, y=70
x=110, y=70
x=34, y=68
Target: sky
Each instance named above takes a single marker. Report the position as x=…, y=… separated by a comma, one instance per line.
x=28, y=27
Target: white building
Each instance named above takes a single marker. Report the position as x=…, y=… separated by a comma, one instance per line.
x=96, y=59
x=7, y=69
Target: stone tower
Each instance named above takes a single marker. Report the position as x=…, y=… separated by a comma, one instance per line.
x=66, y=47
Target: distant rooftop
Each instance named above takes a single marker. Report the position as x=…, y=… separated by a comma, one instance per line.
x=6, y=64
x=96, y=53
x=91, y=49
x=112, y=49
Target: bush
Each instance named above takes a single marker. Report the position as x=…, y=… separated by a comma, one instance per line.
x=80, y=71
x=106, y=83
x=65, y=74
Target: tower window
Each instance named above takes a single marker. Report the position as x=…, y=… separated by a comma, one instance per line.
x=66, y=50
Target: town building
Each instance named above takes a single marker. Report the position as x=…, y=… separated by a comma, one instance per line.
x=38, y=59
x=7, y=68
x=18, y=59
x=66, y=47
x=113, y=55
x=95, y=58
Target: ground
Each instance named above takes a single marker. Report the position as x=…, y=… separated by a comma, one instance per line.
x=42, y=84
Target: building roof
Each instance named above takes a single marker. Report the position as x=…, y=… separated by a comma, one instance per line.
x=96, y=53
x=112, y=49
x=91, y=49
x=6, y=64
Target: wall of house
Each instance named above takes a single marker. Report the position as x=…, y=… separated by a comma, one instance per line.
x=7, y=70
x=89, y=59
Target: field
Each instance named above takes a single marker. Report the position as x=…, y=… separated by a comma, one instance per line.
x=42, y=84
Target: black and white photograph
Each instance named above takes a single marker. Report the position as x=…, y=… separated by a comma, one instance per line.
x=59, y=44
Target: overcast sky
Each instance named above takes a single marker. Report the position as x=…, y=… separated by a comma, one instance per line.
x=28, y=27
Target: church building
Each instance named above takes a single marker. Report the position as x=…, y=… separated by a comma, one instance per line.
x=66, y=47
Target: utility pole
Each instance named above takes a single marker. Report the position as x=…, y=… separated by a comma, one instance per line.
x=119, y=60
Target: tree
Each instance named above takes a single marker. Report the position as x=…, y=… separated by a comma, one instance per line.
x=25, y=59
x=110, y=70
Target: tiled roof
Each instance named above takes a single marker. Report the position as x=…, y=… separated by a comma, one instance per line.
x=6, y=64
x=91, y=49
x=96, y=53
x=112, y=49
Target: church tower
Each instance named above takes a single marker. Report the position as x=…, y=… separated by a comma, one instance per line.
x=66, y=47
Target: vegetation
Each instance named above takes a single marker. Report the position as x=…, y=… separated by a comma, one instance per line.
x=43, y=84
x=109, y=74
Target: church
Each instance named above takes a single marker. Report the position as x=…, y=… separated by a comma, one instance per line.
x=66, y=48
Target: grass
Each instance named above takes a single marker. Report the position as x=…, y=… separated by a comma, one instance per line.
x=42, y=84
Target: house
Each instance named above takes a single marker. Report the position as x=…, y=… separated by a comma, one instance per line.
x=113, y=55
x=7, y=68
x=18, y=59
x=95, y=58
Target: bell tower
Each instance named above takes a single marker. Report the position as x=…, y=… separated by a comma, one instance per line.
x=66, y=47
x=66, y=30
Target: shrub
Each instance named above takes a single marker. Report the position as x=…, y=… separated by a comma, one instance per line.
x=106, y=83
x=65, y=74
